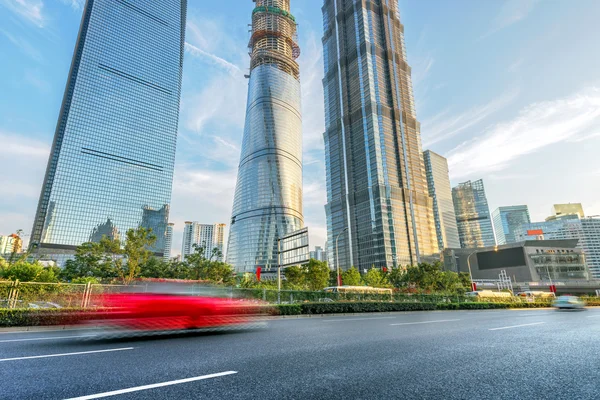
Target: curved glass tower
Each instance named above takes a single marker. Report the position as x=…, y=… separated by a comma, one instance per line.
x=268, y=195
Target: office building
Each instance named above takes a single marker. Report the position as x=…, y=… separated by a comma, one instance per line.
x=438, y=182
x=569, y=226
x=168, y=241
x=561, y=210
x=111, y=162
x=507, y=220
x=318, y=254
x=473, y=215
x=209, y=236
x=267, y=202
x=378, y=203
x=530, y=265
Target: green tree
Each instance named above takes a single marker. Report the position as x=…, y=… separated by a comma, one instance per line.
x=209, y=268
x=135, y=253
x=295, y=278
x=375, y=278
x=317, y=275
x=28, y=272
x=352, y=277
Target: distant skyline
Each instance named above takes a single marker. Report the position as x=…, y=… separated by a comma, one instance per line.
x=506, y=90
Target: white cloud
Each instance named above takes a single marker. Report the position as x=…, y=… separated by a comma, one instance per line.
x=23, y=45
x=313, y=112
x=447, y=124
x=511, y=12
x=24, y=162
x=29, y=10
x=74, y=4
x=230, y=67
x=537, y=126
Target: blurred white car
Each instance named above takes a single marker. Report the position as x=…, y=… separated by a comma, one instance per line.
x=568, y=302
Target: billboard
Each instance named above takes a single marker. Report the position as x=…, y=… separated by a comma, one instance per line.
x=506, y=258
x=535, y=232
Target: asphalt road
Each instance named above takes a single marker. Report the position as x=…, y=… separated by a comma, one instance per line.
x=507, y=354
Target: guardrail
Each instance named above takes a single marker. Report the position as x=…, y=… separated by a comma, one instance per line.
x=15, y=294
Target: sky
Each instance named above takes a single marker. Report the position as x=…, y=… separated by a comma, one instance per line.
x=507, y=90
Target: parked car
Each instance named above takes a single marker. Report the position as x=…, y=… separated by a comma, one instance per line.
x=569, y=302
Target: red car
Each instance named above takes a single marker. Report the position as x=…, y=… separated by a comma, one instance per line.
x=160, y=312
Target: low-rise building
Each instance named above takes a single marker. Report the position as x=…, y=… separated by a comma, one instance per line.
x=531, y=262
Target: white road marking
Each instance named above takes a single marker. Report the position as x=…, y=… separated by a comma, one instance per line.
x=45, y=338
x=153, y=386
x=66, y=354
x=354, y=319
x=534, y=314
x=593, y=316
x=425, y=322
x=515, y=326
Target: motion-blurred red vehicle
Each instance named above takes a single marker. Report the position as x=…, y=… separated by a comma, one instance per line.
x=162, y=312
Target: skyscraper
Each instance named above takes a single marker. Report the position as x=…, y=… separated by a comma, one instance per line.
x=114, y=146
x=268, y=196
x=204, y=235
x=560, y=210
x=438, y=182
x=473, y=215
x=168, y=242
x=507, y=221
x=379, y=211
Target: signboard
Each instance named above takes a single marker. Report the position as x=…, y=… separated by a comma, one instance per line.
x=535, y=232
x=293, y=248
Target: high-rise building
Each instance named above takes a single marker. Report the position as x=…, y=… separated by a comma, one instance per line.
x=111, y=163
x=168, y=242
x=379, y=212
x=438, y=182
x=203, y=235
x=507, y=221
x=560, y=210
x=473, y=215
x=319, y=254
x=10, y=244
x=267, y=203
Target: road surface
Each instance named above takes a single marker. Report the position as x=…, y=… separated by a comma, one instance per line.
x=504, y=354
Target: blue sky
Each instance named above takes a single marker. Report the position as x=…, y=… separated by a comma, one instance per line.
x=507, y=90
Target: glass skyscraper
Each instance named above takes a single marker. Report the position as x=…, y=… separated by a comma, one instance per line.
x=378, y=206
x=507, y=221
x=473, y=215
x=268, y=196
x=438, y=181
x=111, y=163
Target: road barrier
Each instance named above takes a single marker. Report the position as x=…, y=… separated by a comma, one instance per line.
x=36, y=295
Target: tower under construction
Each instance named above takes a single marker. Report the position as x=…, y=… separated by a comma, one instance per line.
x=268, y=196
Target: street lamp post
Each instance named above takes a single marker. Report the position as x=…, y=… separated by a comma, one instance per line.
x=469, y=266
x=337, y=259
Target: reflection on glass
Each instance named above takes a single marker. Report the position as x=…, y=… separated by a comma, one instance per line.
x=111, y=164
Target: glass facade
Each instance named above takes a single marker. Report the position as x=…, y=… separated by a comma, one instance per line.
x=438, y=181
x=111, y=163
x=507, y=221
x=268, y=196
x=473, y=215
x=376, y=180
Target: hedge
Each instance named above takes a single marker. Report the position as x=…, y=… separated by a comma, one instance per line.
x=28, y=317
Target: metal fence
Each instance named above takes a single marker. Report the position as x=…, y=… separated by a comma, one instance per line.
x=15, y=294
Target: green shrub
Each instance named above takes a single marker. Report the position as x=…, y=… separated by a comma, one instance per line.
x=28, y=317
